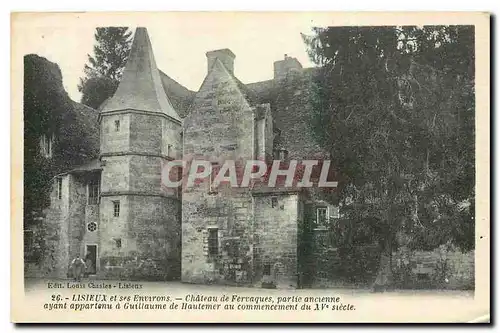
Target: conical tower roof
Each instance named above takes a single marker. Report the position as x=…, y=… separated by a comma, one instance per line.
x=140, y=87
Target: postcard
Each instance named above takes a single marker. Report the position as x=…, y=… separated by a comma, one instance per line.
x=250, y=167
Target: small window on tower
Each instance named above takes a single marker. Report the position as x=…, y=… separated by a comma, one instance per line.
x=274, y=202
x=169, y=150
x=116, y=208
x=118, y=243
x=280, y=154
x=59, y=188
x=213, y=241
x=117, y=125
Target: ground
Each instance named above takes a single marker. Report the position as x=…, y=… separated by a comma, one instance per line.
x=37, y=284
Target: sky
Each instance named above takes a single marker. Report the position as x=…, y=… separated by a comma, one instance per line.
x=180, y=41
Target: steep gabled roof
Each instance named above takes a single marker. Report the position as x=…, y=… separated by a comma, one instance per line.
x=141, y=86
x=219, y=73
x=180, y=96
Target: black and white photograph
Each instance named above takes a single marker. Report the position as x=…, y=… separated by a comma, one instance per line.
x=189, y=167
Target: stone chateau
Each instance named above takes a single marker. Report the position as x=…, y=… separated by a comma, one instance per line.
x=115, y=212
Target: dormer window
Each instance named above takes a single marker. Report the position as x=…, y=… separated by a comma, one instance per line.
x=93, y=192
x=117, y=125
x=280, y=154
x=46, y=146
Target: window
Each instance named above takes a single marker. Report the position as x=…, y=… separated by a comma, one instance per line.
x=59, y=188
x=46, y=146
x=116, y=208
x=118, y=243
x=281, y=154
x=169, y=150
x=93, y=192
x=334, y=212
x=321, y=215
x=213, y=241
x=117, y=125
x=274, y=202
x=267, y=269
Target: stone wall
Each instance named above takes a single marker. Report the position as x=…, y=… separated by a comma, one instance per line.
x=221, y=123
x=145, y=174
x=292, y=112
x=143, y=242
x=232, y=217
x=275, y=240
x=264, y=135
x=337, y=263
x=148, y=235
x=219, y=127
x=171, y=145
x=111, y=229
x=64, y=228
x=50, y=238
x=445, y=267
x=112, y=140
x=356, y=265
x=77, y=215
x=115, y=174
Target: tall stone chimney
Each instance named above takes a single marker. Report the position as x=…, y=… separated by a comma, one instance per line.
x=282, y=67
x=224, y=55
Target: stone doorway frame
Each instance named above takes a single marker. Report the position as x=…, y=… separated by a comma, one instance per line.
x=96, y=263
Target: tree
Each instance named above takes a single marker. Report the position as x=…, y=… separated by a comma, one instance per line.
x=96, y=90
x=104, y=70
x=394, y=106
x=50, y=113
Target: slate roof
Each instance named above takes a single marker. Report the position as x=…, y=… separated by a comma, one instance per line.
x=92, y=165
x=141, y=87
x=291, y=110
x=180, y=96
